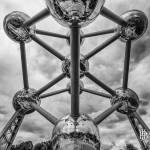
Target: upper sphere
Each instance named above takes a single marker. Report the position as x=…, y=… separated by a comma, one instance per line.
x=68, y=11
x=137, y=23
x=13, y=27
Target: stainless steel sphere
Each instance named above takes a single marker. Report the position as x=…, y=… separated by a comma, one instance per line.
x=13, y=27
x=81, y=39
x=66, y=66
x=67, y=11
x=129, y=98
x=22, y=99
x=137, y=25
x=81, y=87
x=81, y=134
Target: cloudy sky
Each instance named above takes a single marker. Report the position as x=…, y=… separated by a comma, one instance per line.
x=43, y=67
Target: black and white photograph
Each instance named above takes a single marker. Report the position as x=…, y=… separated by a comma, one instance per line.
x=74, y=75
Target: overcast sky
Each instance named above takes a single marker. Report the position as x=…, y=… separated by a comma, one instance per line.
x=43, y=67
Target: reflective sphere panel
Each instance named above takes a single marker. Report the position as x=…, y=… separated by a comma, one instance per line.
x=137, y=25
x=67, y=11
x=81, y=134
x=22, y=99
x=13, y=27
x=84, y=66
x=129, y=99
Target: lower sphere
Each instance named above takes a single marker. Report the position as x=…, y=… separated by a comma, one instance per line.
x=70, y=134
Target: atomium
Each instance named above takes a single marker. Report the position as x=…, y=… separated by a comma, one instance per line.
x=75, y=131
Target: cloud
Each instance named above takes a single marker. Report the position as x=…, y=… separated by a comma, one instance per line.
x=32, y=127
x=140, y=50
x=3, y=110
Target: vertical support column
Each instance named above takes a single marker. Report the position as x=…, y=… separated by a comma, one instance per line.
x=9, y=132
x=24, y=65
x=126, y=64
x=75, y=69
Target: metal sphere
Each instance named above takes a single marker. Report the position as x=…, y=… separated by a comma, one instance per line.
x=68, y=11
x=22, y=99
x=81, y=87
x=13, y=27
x=81, y=39
x=129, y=98
x=66, y=66
x=137, y=25
x=70, y=134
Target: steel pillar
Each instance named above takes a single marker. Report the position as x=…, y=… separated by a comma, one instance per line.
x=75, y=69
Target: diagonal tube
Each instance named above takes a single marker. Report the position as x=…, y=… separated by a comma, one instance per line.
x=102, y=46
x=137, y=132
x=112, y=16
x=15, y=133
x=44, y=113
x=140, y=120
x=50, y=84
x=47, y=47
x=126, y=65
x=24, y=66
x=107, y=113
x=101, y=84
x=51, y=34
x=97, y=93
x=41, y=15
x=10, y=122
x=75, y=69
x=53, y=93
x=8, y=134
x=108, y=31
